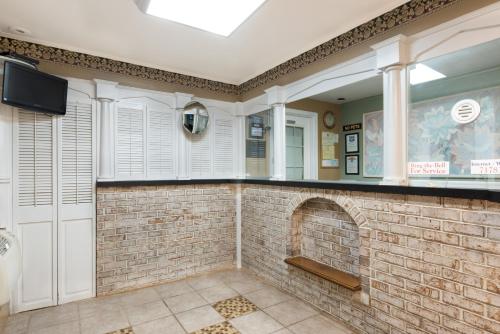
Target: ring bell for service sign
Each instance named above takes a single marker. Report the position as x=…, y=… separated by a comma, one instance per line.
x=429, y=168
x=485, y=167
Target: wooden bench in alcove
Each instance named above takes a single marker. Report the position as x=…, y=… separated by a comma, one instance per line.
x=346, y=280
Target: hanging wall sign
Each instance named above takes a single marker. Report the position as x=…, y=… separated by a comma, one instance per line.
x=429, y=168
x=352, y=127
x=485, y=167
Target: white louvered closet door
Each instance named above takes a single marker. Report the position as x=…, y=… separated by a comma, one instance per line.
x=35, y=216
x=130, y=141
x=201, y=154
x=76, y=197
x=161, y=142
x=224, y=141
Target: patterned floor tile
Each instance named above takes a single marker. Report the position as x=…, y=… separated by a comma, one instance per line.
x=234, y=307
x=127, y=330
x=222, y=328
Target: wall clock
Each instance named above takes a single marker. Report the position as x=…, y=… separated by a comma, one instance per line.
x=329, y=119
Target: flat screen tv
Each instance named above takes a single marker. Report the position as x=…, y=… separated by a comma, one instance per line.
x=27, y=88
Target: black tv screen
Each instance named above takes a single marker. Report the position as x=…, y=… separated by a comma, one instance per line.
x=27, y=88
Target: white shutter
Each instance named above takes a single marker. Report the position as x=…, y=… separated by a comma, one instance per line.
x=35, y=159
x=77, y=154
x=161, y=143
x=200, y=155
x=224, y=147
x=130, y=142
x=33, y=215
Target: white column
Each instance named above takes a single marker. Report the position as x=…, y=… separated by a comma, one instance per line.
x=106, y=170
x=394, y=127
x=392, y=57
x=238, y=225
x=279, y=142
x=240, y=154
x=184, y=146
x=106, y=93
x=276, y=97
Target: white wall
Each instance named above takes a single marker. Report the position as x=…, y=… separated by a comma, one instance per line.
x=145, y=140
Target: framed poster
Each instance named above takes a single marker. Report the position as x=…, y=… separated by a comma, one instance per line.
x=434, y=136
x=352, y=164
x=256, y=125
x=352, y=143
x=373, y=144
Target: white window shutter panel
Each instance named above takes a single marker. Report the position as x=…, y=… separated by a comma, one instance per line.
x=161, y=143
x=201, y=162
x=35, y=154
x=224, y=147
x=130, y=142
x=77, y=154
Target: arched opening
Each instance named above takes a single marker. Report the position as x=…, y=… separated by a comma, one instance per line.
x=322, y=231
x=325, y=241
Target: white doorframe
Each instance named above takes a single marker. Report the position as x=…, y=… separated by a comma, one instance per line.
x=309, y=121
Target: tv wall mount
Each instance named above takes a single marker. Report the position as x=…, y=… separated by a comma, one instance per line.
x=19, y=59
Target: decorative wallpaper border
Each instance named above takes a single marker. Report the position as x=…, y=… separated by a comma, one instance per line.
x=56, y=55
x=403, y=14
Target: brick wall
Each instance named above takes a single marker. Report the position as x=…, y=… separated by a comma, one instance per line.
x=429, y=265
x=326, y=233
x=148, y=235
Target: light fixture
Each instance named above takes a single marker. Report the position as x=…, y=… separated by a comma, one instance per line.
x=220, y=17
x=19, y=30
x=423, y=73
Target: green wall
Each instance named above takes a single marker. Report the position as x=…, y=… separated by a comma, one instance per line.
x=352, y=112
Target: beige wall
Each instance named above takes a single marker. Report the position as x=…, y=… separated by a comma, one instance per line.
x=320, y=108
x=132, y=81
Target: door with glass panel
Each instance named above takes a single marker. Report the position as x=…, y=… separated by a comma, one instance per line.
x=301, y=145
x=294, y=152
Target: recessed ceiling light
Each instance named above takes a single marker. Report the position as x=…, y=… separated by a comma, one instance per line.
x=220, y=17
x=341, y=99
x=423, y=73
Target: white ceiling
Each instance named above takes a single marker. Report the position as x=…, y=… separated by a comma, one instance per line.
x=116, y=29
x=352, y=92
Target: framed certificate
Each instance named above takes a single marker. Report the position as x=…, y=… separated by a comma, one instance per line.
x=352, y=164
x=352, y=142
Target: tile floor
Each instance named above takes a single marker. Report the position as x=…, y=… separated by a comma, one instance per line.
x=225, y=302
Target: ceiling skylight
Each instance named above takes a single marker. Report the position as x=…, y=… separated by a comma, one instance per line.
x=220, y=17
x=423, y=73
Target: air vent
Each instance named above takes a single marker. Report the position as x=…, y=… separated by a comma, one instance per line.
x=465, y=111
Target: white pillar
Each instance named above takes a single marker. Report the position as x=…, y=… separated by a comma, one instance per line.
x=394, y=127
x=276, y=97
x=184, y=146
x=279, y=142
x=240, y=156
x=392, y=57
x=106, y=170
x=106, y=93
x=238, y=225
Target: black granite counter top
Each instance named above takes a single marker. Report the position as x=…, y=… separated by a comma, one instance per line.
x=482, y=194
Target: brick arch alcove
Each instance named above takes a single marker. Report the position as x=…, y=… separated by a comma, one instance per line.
x=332, y=230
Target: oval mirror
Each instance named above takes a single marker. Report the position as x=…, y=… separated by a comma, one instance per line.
x=195, y=117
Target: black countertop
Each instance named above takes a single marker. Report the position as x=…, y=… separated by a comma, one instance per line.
x=482, y=194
